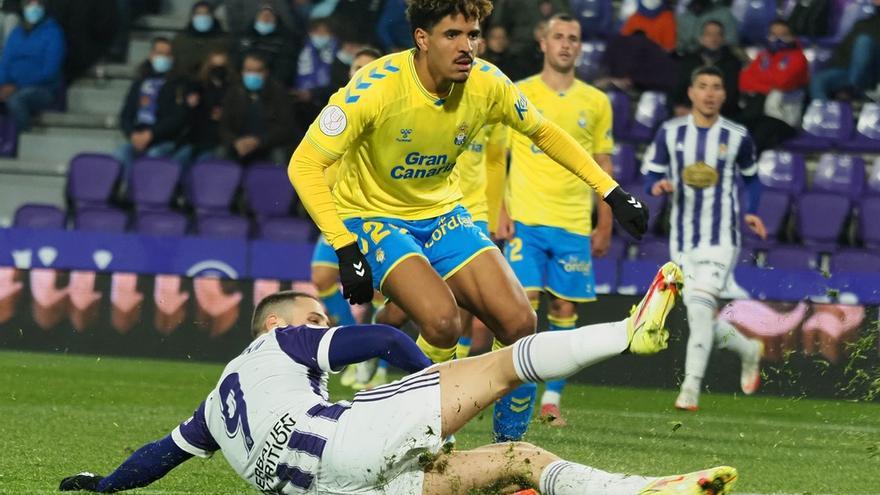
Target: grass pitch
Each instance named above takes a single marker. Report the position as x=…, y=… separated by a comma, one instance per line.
x=63, y=414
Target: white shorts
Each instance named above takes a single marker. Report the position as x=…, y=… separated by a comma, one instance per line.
x=707, y=269
x=377, y=443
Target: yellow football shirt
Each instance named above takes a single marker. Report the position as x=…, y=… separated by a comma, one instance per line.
x=471, y=167
x=539, y=191
x=398, y=144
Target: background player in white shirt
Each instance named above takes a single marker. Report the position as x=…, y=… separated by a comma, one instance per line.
x=270, y=417
x=697, y=159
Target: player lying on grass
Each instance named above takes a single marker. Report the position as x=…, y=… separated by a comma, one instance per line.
x=270, y=416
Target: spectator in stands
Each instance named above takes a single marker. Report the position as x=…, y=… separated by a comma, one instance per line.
x=240, y=12
x=393, y=29
x=155, y=113
x=355, y=16
x=655, y=19
x=257, y=121
x=713, y=52
x=270, y=38
x=638, y=59
x=202, y=35
x=855, y=63
x=690, y=23
x=809, y=18
x=314, y=79
x=216, y=75
x=30, y=65
x=89, y=29
x=497, y=46
x=773, y=88
x=520, y=20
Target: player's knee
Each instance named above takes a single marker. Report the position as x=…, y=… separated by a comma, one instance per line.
x=520, y=324
x=442, y=328
x=561, y=308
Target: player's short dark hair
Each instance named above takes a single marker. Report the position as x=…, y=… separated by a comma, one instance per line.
x=425, y=14
x=561, y=17
x=712, y=22
x=368, y=51
x=270, y=304
x=706, y=70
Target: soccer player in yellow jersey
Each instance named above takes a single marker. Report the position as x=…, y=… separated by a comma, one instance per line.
x=394, y=217
x=547, y=219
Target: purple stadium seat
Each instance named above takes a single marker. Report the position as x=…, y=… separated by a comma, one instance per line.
x=825, y=123
x=782, y=171
x=781, y=284
x=219, y=226
x=821, y=218
x=286, y=229
x=152, y=182
x=35, y=216
x=864, y=286
x=653, y=250
x=773, y=210
x=161, y=223
x=212, y=184
x=617, y=249
x=626, y=169
x=596, y=17
x=91, y=179
x=746, y=257
x=650, y=112
x=605, y=272
x=855, y=260
x=845, y=15
x=869, y=226
x=636, y=276
x=840, y=174
x=267, y=190
x=620, y=107
x=98, y=219
x=791, y=258
x=754, y=19
x=872, y=183
x=589, y=64
x=817, y=58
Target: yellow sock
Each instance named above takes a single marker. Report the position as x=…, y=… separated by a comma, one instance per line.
x=496, y=344
x=462, y=350
x=434, y=353
x=535, y=303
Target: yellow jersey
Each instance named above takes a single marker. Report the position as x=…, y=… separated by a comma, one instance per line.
x=471, y=167
x=398, y=144
x=539, y=191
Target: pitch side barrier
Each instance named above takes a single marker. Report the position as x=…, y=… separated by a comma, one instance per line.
x=192, y=298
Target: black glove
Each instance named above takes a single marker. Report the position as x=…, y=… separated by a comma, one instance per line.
x=87, y=482
x=355, y=275
x=630, y=213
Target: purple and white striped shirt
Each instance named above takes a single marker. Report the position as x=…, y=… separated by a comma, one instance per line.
x=707, y=216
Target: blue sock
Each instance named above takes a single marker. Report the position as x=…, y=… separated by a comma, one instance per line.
x=513, y=413
x=559, y=324
x=337, y=306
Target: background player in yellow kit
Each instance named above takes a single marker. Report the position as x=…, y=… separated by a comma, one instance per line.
x=394, y=217
x=548, y=215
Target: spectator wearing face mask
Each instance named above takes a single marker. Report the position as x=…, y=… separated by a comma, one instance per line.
x=30, y=65
x=216, y=75
x=154, y=116
x=690, y=23
x=655, y=19
x=202, y=35
x=773, y=88
x=269, y=37
x=257, y=122
x=712, y=52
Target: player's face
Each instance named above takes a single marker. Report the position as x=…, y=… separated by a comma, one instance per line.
x=307, y=311
x=359, y=62
x=450, y=47
x=707, y=94
x=561, y=44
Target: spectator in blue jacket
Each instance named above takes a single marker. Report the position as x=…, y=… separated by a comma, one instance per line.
x=30, y=66
x=393, y=27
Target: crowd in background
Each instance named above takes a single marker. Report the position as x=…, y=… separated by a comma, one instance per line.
x=246, y=89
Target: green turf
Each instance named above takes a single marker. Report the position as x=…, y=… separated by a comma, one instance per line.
x=62, y=414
